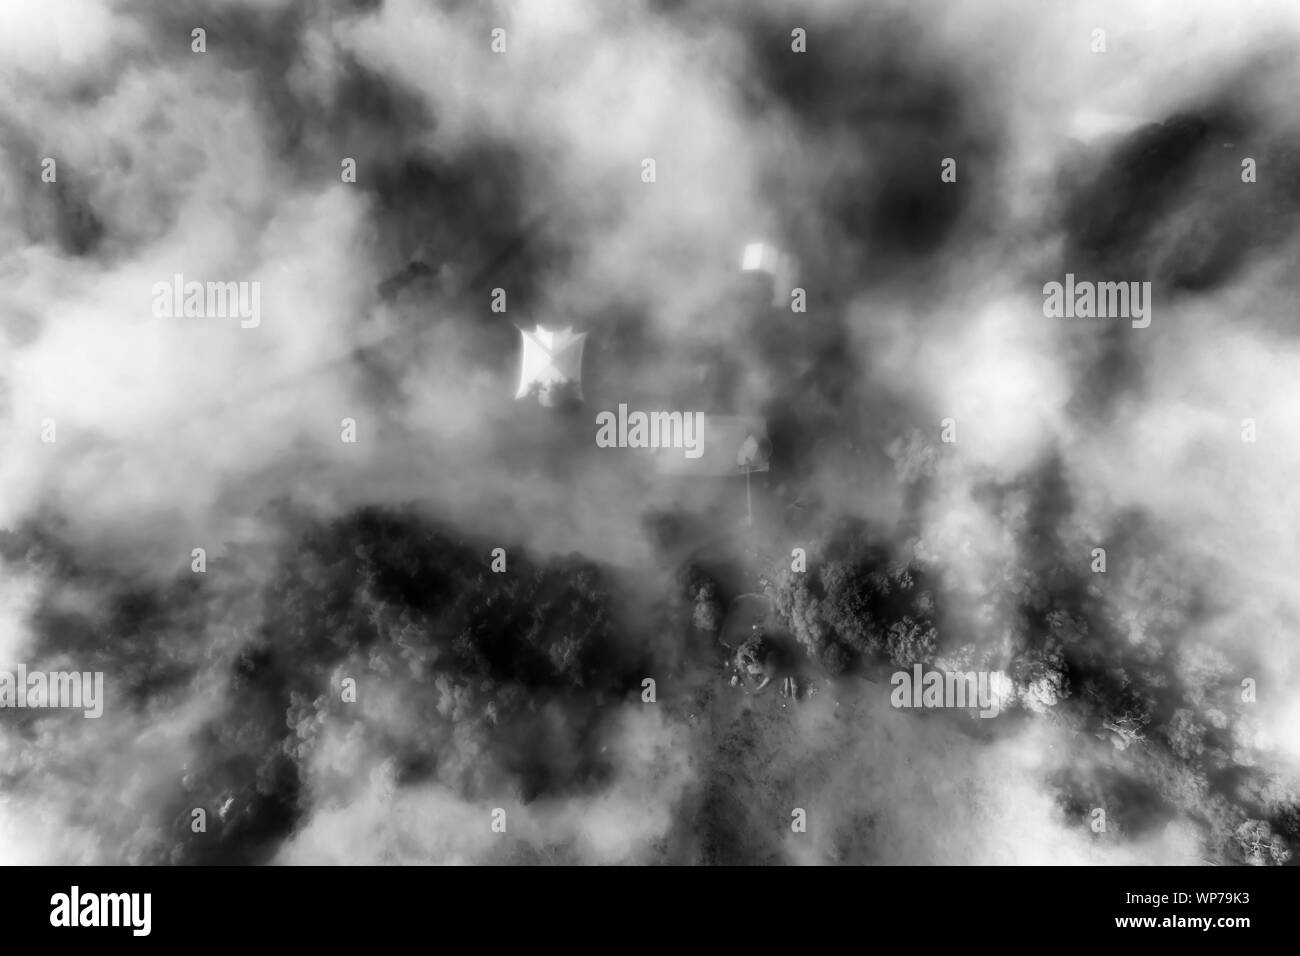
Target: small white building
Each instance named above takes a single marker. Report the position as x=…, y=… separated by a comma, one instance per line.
x=1096, y=126
x=762, y=257
x=552, y=364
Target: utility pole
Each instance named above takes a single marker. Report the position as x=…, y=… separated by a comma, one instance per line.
x=749, y=503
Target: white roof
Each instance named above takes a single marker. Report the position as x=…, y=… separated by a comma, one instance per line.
x=1088, y=125
x=782, y=267
x=760, y=257
x=551, y=357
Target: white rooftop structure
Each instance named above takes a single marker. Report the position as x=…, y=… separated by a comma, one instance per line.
x=782, y=267
x=552, y=360
x=1087, y=126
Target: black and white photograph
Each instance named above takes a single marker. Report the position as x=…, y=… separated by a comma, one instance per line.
x=653, y=433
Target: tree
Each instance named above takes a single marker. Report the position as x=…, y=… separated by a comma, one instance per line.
x=861, y=600
x=1260, y=846
x=847, y=606
x=1042, y=679
x=707, y=614
x=796, y=604
x=911, y=642
x=835, y=659
x=1186, y=734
